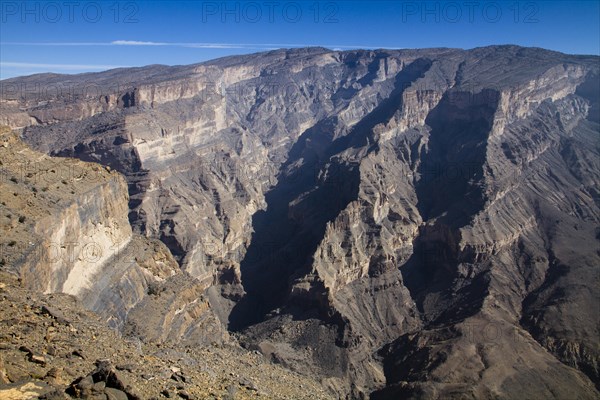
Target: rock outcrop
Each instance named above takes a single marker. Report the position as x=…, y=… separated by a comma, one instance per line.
x=66, y=231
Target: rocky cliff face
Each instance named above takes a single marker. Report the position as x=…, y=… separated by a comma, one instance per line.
x=67, y=231
x=403, y=223
x=61, y=218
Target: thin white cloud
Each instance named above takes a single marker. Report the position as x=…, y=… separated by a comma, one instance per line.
x=136, y=43
x=56, y=44
x=59, y=67
x=191, y=45
x=223, y=46
x=250, y=46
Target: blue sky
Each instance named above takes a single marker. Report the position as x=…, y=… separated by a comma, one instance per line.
x=79, y=36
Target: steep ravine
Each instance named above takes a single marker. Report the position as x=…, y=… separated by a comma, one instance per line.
x=67, y=245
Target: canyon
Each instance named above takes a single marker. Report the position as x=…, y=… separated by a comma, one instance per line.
x=385, y=224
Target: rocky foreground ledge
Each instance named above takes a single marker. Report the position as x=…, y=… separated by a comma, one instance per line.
x=52, y=348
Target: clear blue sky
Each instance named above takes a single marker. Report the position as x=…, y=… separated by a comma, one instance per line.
x=77, y=36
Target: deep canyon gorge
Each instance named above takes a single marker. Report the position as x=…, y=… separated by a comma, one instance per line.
x=378, y=224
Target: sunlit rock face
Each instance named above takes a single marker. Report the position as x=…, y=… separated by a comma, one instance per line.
x=65, y=229
x=406, y=223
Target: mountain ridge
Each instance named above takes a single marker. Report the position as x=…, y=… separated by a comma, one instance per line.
x=370, y=207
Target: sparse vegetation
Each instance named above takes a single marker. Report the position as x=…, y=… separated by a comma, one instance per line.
x=154, y=289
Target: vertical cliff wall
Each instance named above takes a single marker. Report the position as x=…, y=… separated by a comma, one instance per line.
x=66, y=231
